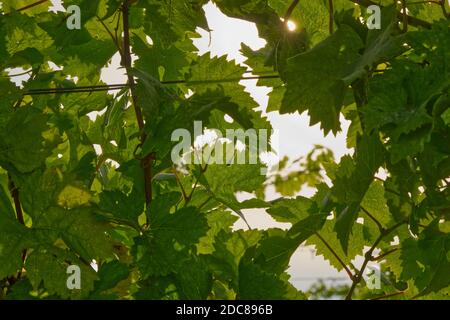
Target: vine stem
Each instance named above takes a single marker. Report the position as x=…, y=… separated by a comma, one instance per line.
x=114, y=38
x=32, y=5
x=19, y=213
x=368, y=257
x=350, y=274
x=183, y=192
x=202, y=171
x=15, y=195
x=379, y=225
x=359, y=276
x=289, y=11
x=444, y=10
x=388, y=295
x=331, y=22
x=146, y=161
x=17, y=74
x=405, y=16
x=381, y=256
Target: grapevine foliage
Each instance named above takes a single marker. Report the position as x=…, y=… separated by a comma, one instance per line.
x=158, y=232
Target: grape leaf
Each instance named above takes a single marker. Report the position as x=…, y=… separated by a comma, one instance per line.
x=317, y=87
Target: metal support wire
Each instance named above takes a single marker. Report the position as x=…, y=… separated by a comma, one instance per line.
x=82, y=89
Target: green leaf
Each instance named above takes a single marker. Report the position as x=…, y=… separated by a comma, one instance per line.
x=224, y=181
x=109, y=276
x=152, y=58
x=315, y=86
x=22, y=32
x=290, y=210
x=222, y=78
x=183, y=16
x=305, y=228
x=168, y=243
x=256, y=284
x=48, y=266
x=352, y=181
x=330, y=237
x=230, y=248
x=425, y=261
x=123, y=207
x=217, y=221
x=21, y=291
x=194, y=281
x=375, y=203
x=81, y=229
x=275, y=251
x=311, y=16
x=6, y=209
x=382, y=44
x=14, y=238
x=13, y=5
x=28, y=148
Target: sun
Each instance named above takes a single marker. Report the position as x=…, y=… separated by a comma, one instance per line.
x=291, y=25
